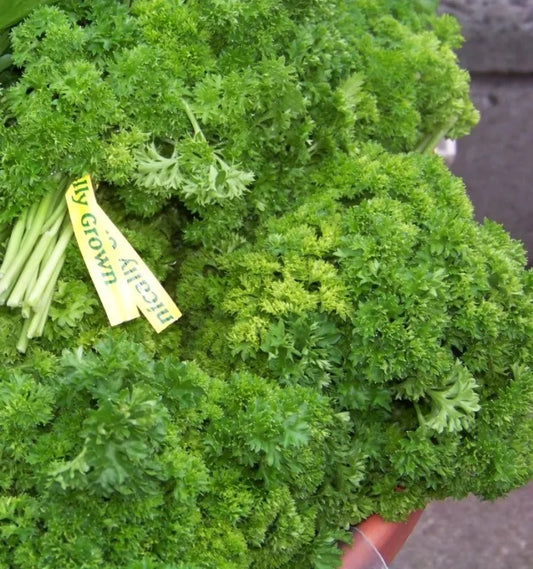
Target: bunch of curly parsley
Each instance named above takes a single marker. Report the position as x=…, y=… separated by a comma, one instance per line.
x=348, y=328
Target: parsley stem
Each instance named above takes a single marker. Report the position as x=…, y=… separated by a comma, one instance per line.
x=50, y=266
x=31, y=268
x=13, y=244
x=58, y=211
x=5, y=295
x=192, y=118
x=42, y=309
x=22, y=344
x=430, y=141
x=34, y=227
x=31, y=216
x=26, y=308
x=38, y=321
x=34, y=257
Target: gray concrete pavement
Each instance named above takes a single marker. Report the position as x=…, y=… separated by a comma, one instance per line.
x=495, y=160
x=473, y=534
x=499, y=34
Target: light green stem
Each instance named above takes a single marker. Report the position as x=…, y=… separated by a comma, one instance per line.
x=38, y=323
x=430, y=141
x=48, y=270
x=28, y=242
x=14, y=242
x=5, y=295
x=192, y=118
x=57, y=211
x=26, y=308
x=22, y=344
x=31, y=268
x=31, y=215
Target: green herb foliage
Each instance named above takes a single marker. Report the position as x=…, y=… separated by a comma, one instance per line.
x=349, y=330
x=152, y=96
x=379, y=290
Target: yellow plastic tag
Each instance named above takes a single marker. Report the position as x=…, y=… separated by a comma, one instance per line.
x=124, y=283
x=150, y=297
x=98, y=254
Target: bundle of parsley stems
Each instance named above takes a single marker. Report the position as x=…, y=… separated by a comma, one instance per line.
x=33, y=260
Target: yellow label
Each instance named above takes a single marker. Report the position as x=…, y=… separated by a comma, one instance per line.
x=124, y=283
x=150, y=297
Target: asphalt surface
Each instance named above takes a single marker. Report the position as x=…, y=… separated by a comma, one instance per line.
x=473, y=534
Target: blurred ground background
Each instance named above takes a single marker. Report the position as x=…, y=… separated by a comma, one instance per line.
x=471, y=534
x=496, y=162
